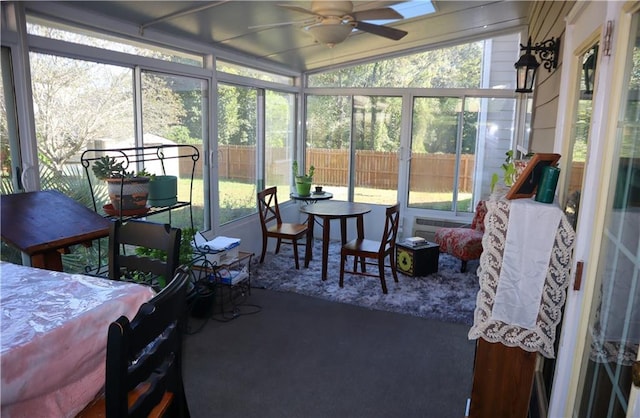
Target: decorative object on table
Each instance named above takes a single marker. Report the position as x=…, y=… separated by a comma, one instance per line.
x=163, y=190
x=362, y=249
x=319, y=190
x=419, y=259
x=464, y=242
x=547, y=187
x=303, y=181
x=127, y=190
x=511, y=170
x=527, y=183
x=273, y=227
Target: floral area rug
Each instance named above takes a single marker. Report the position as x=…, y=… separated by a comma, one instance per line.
x=447, y=295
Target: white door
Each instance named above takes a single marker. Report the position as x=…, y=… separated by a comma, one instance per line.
x=613, y=330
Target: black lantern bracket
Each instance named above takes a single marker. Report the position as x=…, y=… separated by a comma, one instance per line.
x=548, y=51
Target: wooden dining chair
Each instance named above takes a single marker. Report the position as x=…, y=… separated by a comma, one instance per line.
x=144, y=359
x=156, y=259
x=363, y=249
x=273, y=227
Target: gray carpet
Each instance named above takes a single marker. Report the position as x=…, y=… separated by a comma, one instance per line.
x=305, y=357
x=447, y=295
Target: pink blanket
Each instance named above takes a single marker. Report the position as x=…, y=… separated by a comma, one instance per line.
x=53, y=337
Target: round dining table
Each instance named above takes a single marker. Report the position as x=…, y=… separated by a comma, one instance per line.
x=327, y=211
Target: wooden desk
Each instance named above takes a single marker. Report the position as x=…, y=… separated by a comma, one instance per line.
x=45, y=224
x=327, y=211
x=54, y=337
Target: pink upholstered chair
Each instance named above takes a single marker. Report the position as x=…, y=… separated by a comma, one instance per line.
x=464, y=243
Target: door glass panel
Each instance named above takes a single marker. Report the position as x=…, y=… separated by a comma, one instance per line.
x=174, y=111
x=237, y=133
x=376, y=126
x=456, y=146
x=434, y=143
x=614, y=323
x=279, y=139
x=328, y=138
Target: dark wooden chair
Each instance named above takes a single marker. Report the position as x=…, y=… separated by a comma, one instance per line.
x=363, y=249
x=273, y=227
x=144, y=359
x=156, y=240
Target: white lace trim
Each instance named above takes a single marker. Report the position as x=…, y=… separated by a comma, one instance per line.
x=541, y=338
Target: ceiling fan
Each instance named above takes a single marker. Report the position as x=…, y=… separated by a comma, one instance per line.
x=333, y=21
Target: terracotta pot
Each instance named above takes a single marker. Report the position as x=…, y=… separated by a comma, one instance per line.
x=128, y=193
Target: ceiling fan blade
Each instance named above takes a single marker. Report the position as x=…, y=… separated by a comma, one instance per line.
x=383, y=13
x=385, y=31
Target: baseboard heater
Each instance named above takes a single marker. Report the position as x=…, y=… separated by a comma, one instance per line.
x=427, y=227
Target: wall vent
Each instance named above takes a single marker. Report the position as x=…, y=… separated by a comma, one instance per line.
x=426, y=228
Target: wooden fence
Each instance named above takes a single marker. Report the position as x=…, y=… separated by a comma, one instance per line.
x=374, y=169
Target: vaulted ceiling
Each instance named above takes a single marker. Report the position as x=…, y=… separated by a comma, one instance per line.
x=238, y=26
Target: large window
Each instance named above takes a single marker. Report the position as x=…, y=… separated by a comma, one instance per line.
x=78, y=105
x=435, y=125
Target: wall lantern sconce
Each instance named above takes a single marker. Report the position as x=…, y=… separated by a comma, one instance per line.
x=589, y=71
x=527, y=65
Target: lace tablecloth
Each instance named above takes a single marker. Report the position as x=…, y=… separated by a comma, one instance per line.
x=541, y=337
x=54, y=337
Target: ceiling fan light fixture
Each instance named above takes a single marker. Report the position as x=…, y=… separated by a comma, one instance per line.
x=330, y=34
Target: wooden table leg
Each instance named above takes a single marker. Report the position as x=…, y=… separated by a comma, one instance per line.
x=50, y=260
x=326, y=222
x=360, y=223
x=343, y=230
x=308, y=250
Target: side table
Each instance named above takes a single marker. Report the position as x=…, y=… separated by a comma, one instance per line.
x=418, y=260
x=227, y=283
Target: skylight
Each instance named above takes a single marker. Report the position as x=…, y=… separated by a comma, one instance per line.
x=409, y=9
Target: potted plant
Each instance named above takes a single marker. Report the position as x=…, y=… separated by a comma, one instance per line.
x=303, y=181
x=511, y=169
x=128, y=191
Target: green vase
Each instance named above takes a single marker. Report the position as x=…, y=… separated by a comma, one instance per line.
x=303, y=185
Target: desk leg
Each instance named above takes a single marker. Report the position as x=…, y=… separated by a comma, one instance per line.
x=50, y=260
x=326, y=222
x=308, y=250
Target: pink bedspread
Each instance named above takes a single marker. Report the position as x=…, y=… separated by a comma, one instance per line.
x=53, y=337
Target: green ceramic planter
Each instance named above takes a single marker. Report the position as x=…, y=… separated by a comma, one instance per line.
x=303, y=185
x=163, y=191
